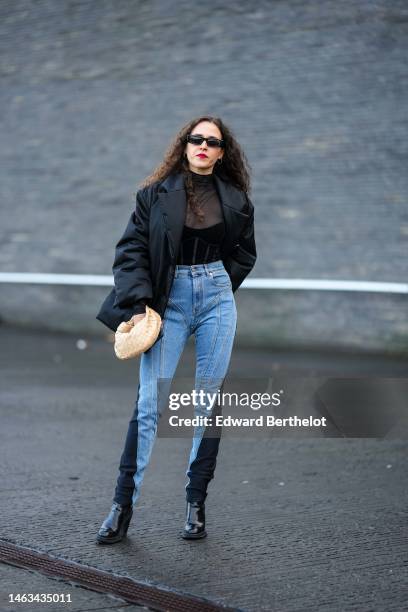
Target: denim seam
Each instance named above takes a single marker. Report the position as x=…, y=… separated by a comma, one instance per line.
x=227, y=335
x=224, y=285
x=227, y=280
x=163, y=340
x=177, y=307
x=136, y=491
x=213, y=301
x=215, y=336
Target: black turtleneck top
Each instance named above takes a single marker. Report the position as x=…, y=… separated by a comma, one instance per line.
x=201, y=240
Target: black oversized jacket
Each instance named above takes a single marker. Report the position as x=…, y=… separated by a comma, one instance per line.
x=146, y=254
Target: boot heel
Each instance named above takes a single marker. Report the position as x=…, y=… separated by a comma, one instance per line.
x=126, y=525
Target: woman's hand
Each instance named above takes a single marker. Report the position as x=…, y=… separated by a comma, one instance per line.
x=137, y=317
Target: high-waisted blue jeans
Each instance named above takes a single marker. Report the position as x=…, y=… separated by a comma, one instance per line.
x=202, y=303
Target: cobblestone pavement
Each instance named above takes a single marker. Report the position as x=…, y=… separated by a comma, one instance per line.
x=306, y=524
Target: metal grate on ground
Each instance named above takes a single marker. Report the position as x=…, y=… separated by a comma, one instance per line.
x=152, y=596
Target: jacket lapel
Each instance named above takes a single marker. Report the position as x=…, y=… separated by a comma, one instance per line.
x=232, y=203
x=173, y=203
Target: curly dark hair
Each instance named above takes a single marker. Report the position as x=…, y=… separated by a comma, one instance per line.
x=235, y=167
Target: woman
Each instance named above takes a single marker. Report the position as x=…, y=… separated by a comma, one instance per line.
x=187, y=248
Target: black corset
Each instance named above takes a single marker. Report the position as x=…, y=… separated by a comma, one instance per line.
x=201, y=245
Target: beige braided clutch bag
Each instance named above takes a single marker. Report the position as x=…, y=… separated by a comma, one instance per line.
x=131, y=340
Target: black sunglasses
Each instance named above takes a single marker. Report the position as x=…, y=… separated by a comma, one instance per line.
x=197, y=139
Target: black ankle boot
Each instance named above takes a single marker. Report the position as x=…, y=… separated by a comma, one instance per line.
x=115, y=526
x=195, y=521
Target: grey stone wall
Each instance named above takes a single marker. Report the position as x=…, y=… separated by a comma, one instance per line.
x=92, y=93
